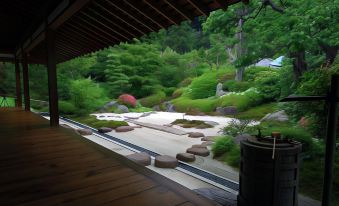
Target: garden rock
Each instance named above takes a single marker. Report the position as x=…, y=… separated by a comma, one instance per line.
x=141, y=158
x=104, y=129
x=231, y=110
x=212, y=123
x=280, y=116
x=198, y=151
x=186, y=157
x=219, y=92
x=169, y=106
x=124, y=128
x=241, y=137
x=165, y=161
x=66, y=126
x=122, y=109
x=146, y=114
x=209, y=138
x=156, y=108
x=199, y=146
x=109, y=105
x=196, y=134
x=84, y=131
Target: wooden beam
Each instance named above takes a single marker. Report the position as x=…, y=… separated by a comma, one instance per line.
x=159, y=9
x=25, y=81
x=198, y=5
x=136, y=6
x=130, y=24
x=52, y=78
x=179, y=9
x=18, y=84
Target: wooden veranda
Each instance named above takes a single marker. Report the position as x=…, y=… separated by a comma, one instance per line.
x=44, y=164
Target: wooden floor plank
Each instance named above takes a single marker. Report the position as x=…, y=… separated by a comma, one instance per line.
x=40, y=165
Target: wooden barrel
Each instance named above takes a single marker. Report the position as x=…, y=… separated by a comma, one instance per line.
x=268, y=179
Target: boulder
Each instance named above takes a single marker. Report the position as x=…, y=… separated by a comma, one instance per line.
x=169, y=106
x=109, y=105
x=231, y=110
x=141, y=158
x=84, y=131
x=122, y=109
x=66, y=126
x=124, y=128
x=212, y=123
x=186, y=157
x=199, y=146
x=196, y=134
x=104, y=129
x=198, y=151
x=241, y=137
x=209, y=138
x=279, y=116
x=156, y=108
x=165, y=161
x=219, y=91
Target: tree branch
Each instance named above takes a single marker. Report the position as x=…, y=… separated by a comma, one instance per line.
x=273, y=5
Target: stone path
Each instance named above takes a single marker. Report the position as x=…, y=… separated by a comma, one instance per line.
x=158, y=127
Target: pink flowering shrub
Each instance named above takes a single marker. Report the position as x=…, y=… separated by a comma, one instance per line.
x=127, y=100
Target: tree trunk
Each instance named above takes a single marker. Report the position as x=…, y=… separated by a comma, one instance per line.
x=240, y=49
x=330, y=53
x=239, y=74
x=299, y=64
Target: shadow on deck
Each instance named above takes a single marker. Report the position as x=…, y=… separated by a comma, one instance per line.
x=40, y=165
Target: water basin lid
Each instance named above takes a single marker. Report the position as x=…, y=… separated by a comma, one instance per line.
x=269, y=141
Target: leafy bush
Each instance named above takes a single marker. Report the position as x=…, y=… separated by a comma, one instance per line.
x=204, y=86
x=241, y=101
x=236, y=86
x=258, y=112
x=153, y=100
x=66, y=108
x=232, y=158
x=223, y=145
x=236, y=127
x=177, y=93
x=268, y=85
x=185, y=82
x=169, y=91
x=128, y=100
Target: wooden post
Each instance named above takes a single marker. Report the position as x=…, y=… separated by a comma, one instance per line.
x=52, y=78
x=26, y=82
x=18, y=84
x=330, y=140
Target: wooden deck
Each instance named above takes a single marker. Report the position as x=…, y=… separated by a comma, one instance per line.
x=40, y=165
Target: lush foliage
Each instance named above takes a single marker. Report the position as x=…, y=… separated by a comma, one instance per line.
x=223, y=145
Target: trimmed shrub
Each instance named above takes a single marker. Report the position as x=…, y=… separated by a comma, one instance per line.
x=223, y=145
x=66, y=107
x=169, y=91
x=185, y=82
x=184, y=104
x=128, y=100
x=232, y=158
x=204, y=86
x=153, y=100
x=177, y=93
x=236, y=86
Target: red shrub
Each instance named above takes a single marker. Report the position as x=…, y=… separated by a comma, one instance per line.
x=127, y=100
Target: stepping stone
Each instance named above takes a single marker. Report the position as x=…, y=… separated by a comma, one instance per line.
x=198, y=151
x=196, y=134
x=66, y=126
x=84, y=131
x=104, y=129
x=186, y=157
x=199, y=146
x=141, y=158
x=207, y=143
x=124, y=129
x=209, y=138
x=165, y=161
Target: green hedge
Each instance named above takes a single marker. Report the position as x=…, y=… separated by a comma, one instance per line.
x=153, y=100
x=184, y=104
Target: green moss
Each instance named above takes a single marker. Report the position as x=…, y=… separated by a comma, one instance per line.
x=140, y=109
x=153, y=100
x=92, y=121
x=185, y=123
x=258, y=112
x=184, y=104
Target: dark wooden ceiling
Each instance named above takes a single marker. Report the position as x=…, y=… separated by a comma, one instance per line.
x=90, y=25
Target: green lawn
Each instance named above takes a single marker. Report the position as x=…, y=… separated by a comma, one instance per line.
x=258, y=112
